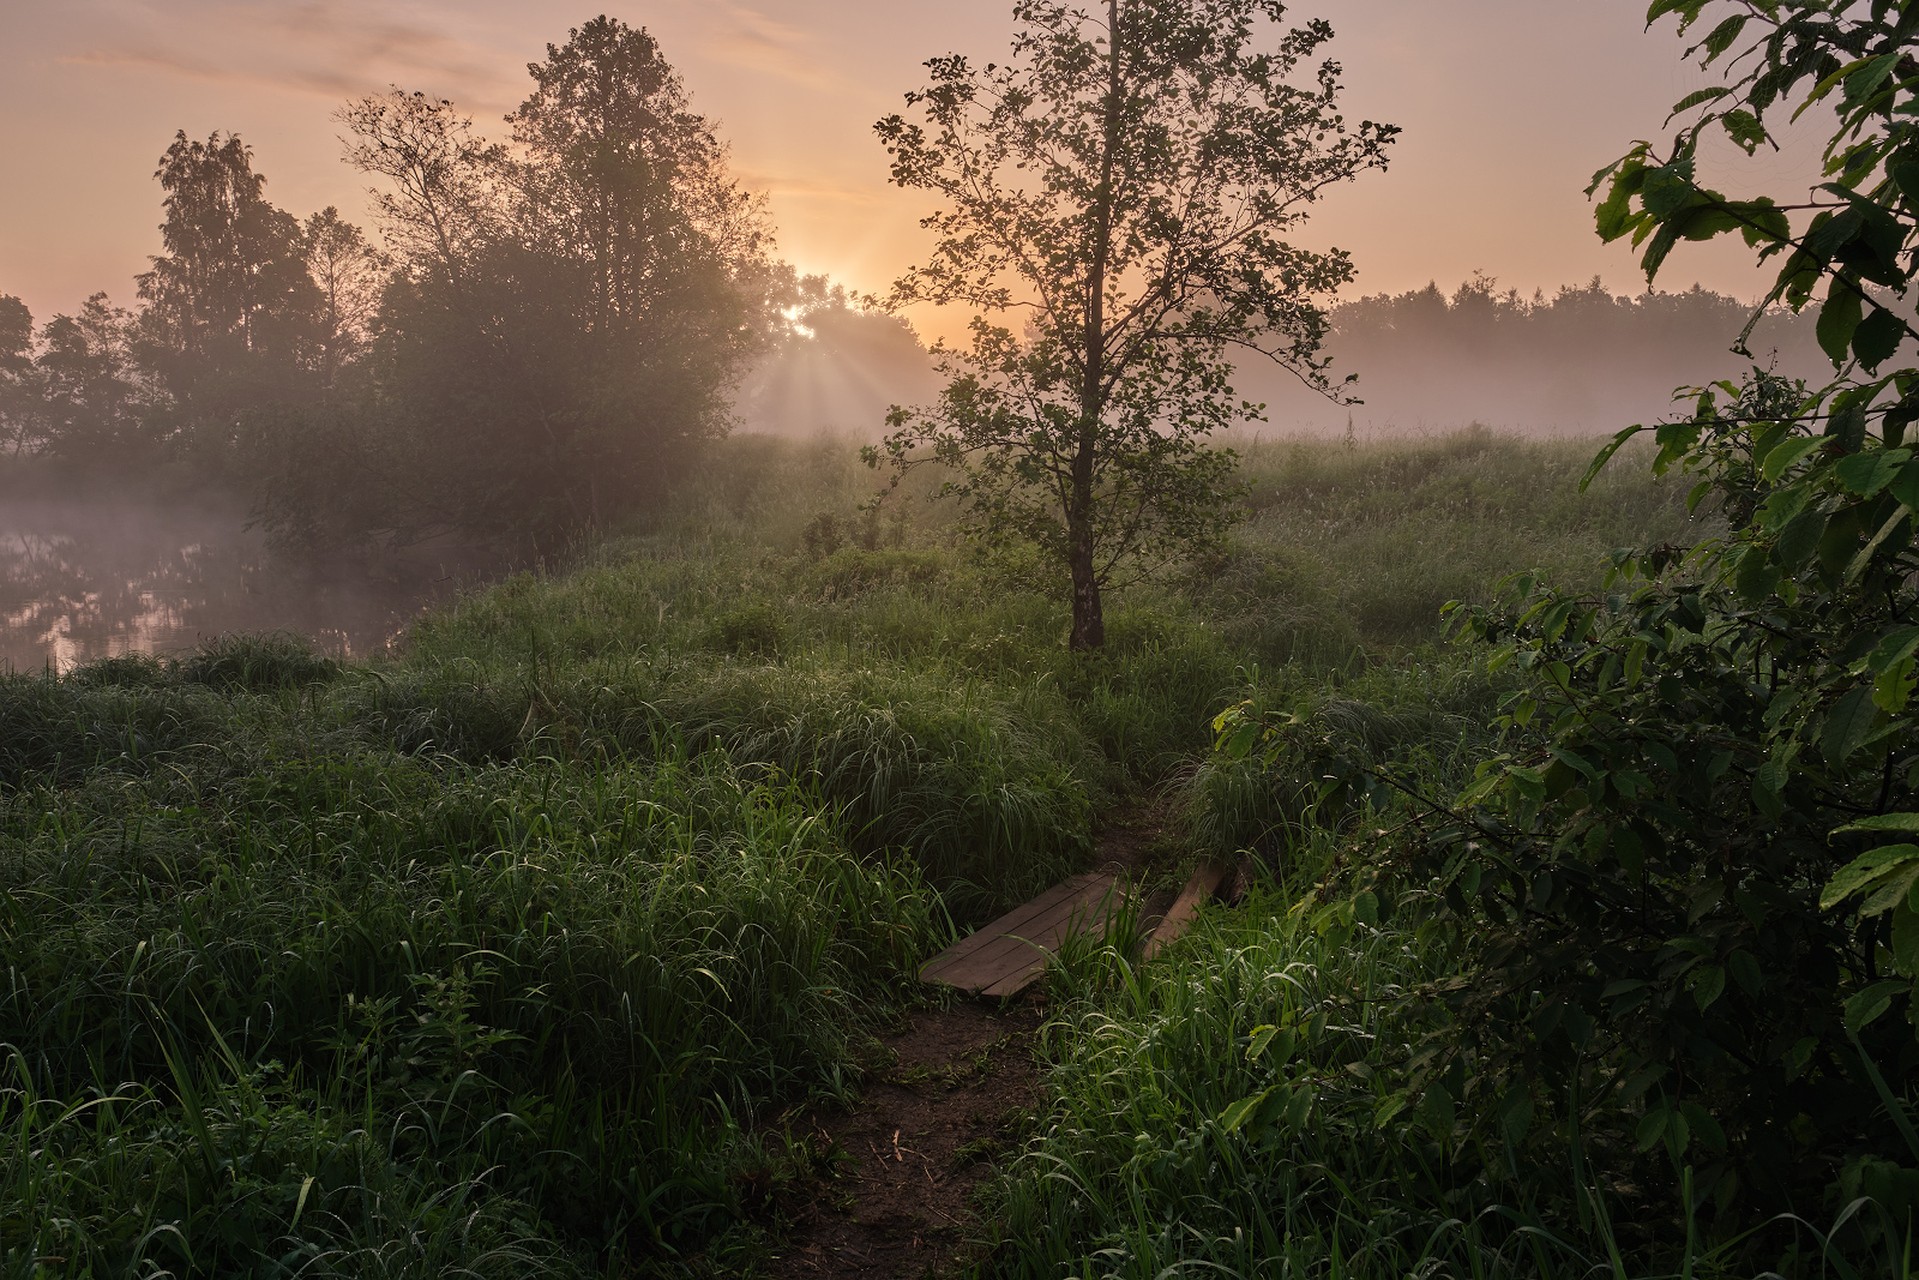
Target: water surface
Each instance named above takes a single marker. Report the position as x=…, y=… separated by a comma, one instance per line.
x=81, y=580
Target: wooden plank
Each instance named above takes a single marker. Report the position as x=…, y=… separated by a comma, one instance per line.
x=1003, y=950
x=1017, y=960
x=1015, y=946
x=1179, y=917
x=1026, y=967
x=1012, y=922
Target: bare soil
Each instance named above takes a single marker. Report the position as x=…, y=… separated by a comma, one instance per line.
x=953, y=1099
x=907, y=1158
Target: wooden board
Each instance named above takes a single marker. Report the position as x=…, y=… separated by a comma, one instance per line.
x=1005, y=957
x=1179, y=917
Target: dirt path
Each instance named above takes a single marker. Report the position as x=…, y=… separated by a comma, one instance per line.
x=909, y=1155
x=929, y=1128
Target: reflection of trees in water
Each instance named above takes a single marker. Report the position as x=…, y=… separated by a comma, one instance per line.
x=80, y=582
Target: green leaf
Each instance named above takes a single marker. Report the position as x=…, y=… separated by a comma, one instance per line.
x=1706, y=221
x=1606, y=455
x=1669, y=188
x=1766, y=222
x=1721, y=37
x=1234, y=1118
x=1688, y=11
x=1652, y=1128
x=1239, y=743
x=1697, y=98
x=1891, y=890
x=1905, y=938
x=1707, y=983
x=1869, y=1005
x=1878, y=338
x=1390, y=1106
x=1903, y=823
x=1704, y=1126
x=1865, y=81
x=1863, y=561
x=1893, y=649
x=1279, y=1042
x=1782, y=458
x=1299, y=1110
x=1893, y=689
x=1867, y=473
x=1868, y=869
x=1614, y=216
x=1847, y=726
x=1839, y=319
x=1516, y=1114
x=1661, y=248
x=1905, y=176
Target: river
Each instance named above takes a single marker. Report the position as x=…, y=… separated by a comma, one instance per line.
x=82, y=580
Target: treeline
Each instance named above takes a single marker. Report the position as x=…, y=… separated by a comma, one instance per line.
x=1583, y=360
x=547, y=331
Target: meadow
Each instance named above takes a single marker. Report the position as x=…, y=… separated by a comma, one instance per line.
x=502, y=955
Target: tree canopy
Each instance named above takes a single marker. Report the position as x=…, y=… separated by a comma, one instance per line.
x=1115, y=200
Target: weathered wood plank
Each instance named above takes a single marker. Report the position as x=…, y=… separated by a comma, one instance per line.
x=1179, y=917
x=1007, y=954
x=1023, y=962
x=1013, y=922
x=1004, y=949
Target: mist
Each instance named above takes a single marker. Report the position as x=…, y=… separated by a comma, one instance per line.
x=1583, y=361
x=86, y=577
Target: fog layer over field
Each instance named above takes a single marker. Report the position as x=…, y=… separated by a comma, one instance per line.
x=1583, y=361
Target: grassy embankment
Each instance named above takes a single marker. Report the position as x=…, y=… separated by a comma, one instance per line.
x=482, y=959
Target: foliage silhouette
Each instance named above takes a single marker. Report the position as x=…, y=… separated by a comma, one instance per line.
x=1115, y=198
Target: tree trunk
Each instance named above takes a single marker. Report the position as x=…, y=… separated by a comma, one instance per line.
x=1089, y=622
x=1089, y=618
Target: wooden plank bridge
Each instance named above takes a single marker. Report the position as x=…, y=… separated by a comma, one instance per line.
x=1005, y=957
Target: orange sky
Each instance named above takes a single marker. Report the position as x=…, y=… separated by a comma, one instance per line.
x=1507, y=105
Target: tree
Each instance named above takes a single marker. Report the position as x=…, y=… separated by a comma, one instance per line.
x=349, y=274
x=569, y=313
x=625, y=196
x=1122, y=189
x=230, y=306
x=622, y=176
x=445, y=194
x=97, y=408
x=19, y=393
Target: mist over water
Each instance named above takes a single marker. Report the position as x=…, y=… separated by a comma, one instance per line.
x=83, y=578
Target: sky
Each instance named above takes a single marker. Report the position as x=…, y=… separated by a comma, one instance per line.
x=1507, y=107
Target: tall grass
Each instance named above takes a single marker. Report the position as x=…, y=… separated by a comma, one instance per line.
x=483, y=960
x=529, y=997
x=1243, y=1106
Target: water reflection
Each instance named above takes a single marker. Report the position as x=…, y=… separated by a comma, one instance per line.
x=80, y=581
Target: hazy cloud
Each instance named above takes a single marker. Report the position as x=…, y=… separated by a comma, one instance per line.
x=747, y=38
x=332, y=49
